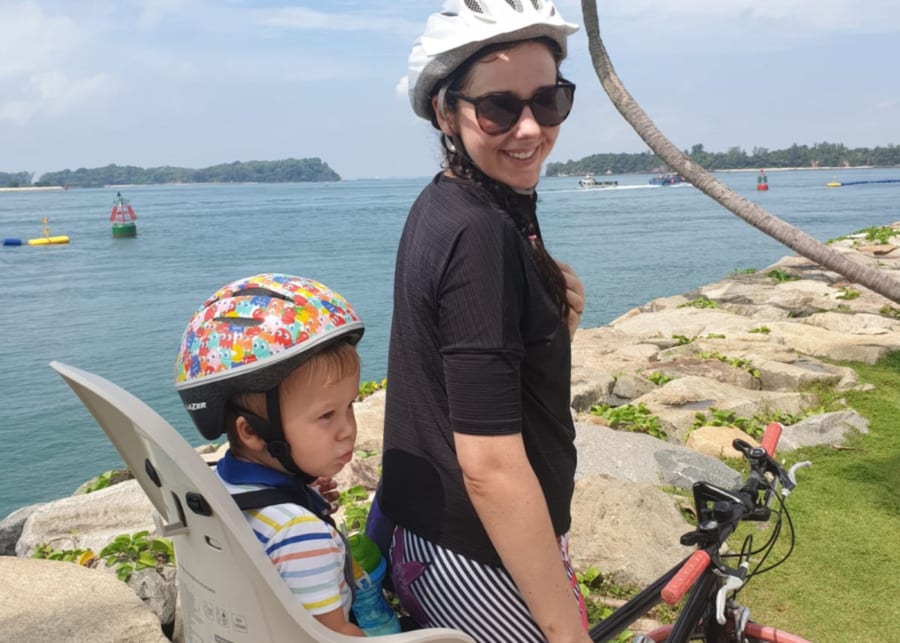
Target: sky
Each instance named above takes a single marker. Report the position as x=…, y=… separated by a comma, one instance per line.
x=193, y=83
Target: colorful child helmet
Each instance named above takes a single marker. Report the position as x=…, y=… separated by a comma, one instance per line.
x=249, y=335
x=464, y=26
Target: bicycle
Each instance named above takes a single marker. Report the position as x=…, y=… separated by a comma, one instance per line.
x=711, y=612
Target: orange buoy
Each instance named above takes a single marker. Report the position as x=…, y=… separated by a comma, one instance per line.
x=762, y=181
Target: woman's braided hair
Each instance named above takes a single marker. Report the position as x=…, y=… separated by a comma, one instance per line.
x=504, y=197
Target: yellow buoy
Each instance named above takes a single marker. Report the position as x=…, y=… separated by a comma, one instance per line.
x=833, y=184
x=44, y=241
x=47, y=239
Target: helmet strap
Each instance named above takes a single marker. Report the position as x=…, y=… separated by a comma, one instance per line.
x=272, y=433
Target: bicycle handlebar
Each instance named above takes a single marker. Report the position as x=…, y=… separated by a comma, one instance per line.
x=685, y=578
x=742, y=505
x=771, y=437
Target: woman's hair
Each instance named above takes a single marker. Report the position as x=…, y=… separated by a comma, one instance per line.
x=326, y=367
x=458, y=161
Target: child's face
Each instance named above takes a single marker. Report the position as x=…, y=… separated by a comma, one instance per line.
x=319, y=424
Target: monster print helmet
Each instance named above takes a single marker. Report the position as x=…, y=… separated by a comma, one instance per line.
x=463, y=27
x=248, y=336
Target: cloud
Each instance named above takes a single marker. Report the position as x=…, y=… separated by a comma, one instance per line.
x=32, y=39
x=804, y=16
x=152, y=13
x=402, y=87
x=300, y=19
x=37, y=75
x=53, y=93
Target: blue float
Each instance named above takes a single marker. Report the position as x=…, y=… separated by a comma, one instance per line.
x=12, y=242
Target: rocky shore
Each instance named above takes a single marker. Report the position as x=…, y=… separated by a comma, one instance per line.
x=749, y=345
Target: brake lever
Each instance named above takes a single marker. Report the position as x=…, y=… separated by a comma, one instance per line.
x=789, y=481
x=734, y=580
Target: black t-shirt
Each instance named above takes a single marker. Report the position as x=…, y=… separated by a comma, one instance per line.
x=478, y=347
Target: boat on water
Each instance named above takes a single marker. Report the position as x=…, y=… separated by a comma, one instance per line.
x=590, y=183
x=123, y=218
x=671, y=178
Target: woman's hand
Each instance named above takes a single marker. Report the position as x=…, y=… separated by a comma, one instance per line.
x=327, y=488
x=574, y=295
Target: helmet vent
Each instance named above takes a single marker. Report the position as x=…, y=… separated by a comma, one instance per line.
x=239, y=321
x=516, y=4
x=259, y=292
x=474, y=5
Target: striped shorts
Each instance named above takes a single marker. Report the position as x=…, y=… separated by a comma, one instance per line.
x=440, y=588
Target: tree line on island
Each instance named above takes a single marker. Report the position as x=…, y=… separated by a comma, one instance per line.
x=284, y=171
x=817, y=155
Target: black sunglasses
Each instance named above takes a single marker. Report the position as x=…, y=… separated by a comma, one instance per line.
x=497, y=113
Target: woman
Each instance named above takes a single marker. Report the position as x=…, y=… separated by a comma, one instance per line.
x=479, y=458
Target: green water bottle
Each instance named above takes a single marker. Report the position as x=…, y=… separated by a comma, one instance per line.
x=373, y=614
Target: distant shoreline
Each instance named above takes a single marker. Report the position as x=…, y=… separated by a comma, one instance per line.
x=34, y=188
x=50, y=188
x=823, y=167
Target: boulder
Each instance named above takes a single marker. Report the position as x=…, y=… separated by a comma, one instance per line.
x=88, y=521
x=60, y=601
x=627, y=530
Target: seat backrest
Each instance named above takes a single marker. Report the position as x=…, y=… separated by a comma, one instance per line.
x=229, y=589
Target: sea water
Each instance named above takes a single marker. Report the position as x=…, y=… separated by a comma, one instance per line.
x=117, y=307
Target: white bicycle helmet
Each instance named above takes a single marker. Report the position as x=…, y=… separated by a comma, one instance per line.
x=463, y=27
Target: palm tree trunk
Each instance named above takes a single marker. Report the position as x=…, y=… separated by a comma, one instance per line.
x=877, y=280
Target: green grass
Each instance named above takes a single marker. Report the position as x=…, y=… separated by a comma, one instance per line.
x=842, y=581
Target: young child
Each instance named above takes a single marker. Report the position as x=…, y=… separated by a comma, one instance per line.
x=270, y=360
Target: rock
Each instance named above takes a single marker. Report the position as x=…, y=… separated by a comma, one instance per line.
x=628, y=530
x=639, y=458
x=88, y=521
x=158, y=590
x=11, y=529
x=677, y=402
x=827, y=428
x=59, y=601
x=716, y=441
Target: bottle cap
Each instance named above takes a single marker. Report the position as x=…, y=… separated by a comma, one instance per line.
x=365, y=552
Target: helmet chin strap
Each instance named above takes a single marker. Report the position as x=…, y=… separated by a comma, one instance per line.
x=272, y=433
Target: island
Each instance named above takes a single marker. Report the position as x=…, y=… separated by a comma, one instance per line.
x=283, y=171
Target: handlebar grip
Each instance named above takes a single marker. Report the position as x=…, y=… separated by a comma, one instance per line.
x=685, y=578
x=770, y=438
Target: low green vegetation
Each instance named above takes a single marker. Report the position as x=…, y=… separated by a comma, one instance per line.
x=743, y=271
x=355, y=502
x=880, y=235
x=781, y=275
x=100, y=482
x=737, y=362
x=368, y=388
x=131, y=553
x=699, y=302
x=890, y=311
x=628, y=417
x=659, y=378
x=764, y=330
x=754, y=426
x=128, y=553
x=848, y=293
